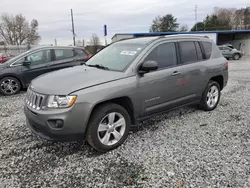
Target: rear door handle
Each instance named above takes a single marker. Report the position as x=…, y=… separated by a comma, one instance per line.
x=175, y=73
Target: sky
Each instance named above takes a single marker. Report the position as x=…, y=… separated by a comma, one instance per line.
x=120, y=16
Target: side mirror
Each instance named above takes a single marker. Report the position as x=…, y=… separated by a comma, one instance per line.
x=26, y=63
x=148, y=66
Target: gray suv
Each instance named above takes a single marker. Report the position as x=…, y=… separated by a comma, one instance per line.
x=124, y=83
x=229, y=52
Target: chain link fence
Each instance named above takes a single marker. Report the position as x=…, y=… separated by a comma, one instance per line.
x=13, y=49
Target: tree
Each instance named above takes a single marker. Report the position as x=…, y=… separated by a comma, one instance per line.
x=95, y=44
x=225, y=17
x=200, y=26
x=220, y=19
x=212, y=23
x=16, y=30
x=164, y=23
x=242, y=18
x=183, y=28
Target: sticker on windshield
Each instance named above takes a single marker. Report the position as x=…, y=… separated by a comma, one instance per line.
x=128, y=52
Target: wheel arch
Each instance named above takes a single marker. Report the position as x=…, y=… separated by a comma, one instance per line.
x=124, y=101
x=220, y=80
x=14, y=76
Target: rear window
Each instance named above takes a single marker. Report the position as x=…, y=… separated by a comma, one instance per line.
x=80, y=51
x=188, y=52
x=207, y=46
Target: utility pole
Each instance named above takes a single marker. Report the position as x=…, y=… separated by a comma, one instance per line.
x=195, y=17
x=83, y=43
x=73, y=28
x=55, y=42
x=105, y=34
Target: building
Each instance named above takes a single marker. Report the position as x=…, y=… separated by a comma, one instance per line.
x=240, y=39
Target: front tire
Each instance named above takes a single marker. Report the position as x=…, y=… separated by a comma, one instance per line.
x=236, y=56
x=108, y=127
x=9, y=86
x=211, y=96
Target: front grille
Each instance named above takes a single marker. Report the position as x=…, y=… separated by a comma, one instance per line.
x=34, y=100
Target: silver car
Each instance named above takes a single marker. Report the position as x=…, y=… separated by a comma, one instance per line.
x=228, y=52
x=123, y=84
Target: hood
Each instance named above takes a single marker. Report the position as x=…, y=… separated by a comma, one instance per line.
x=66, y=81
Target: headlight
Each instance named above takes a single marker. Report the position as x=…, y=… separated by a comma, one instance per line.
x=58, y=101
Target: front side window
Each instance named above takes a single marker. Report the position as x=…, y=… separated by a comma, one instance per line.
x=117, y=56
x=40, y=57
x=63, y=54
x=164, y=55
x=188, y=52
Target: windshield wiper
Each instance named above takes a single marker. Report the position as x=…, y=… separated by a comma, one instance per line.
x=99, y=66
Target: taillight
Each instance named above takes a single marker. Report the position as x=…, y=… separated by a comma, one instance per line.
x=227, y=65
x=87, y=58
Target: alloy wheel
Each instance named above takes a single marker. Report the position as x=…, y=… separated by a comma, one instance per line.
x=9, y=86
x=212, y=96
x=111, y=128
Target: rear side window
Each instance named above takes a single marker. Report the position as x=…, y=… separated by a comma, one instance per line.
x=164, y=55
x=198, y=50
x=207, y=46
x=188, y=52
x=63, y=53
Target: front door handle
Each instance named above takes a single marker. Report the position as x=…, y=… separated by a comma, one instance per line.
x=175, y=73
x=49, y=64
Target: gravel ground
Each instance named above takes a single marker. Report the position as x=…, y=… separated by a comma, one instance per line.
x=183, y=148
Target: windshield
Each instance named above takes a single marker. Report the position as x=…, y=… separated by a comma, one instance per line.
x=117, y=56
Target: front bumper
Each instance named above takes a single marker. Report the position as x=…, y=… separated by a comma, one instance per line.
x=75, y=122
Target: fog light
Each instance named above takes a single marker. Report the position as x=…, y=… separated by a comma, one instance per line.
x=56, y=123
x=59, y=123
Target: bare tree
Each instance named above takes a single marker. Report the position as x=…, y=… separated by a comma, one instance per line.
x=242, y=18
x=95, y=43
x=16, y=30
x=183, y=28
x=225, y=17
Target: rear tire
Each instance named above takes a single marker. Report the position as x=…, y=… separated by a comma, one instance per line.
x=108, y=127
x=211, y=96
x=236, y=56
x=9, y=86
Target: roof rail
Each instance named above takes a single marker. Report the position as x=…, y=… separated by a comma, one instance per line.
x=186, y=35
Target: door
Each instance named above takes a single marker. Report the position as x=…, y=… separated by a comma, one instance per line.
x=192, y=61
x=158, y=89
x=40, y=62
x=227, y=52
x=64, y=58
